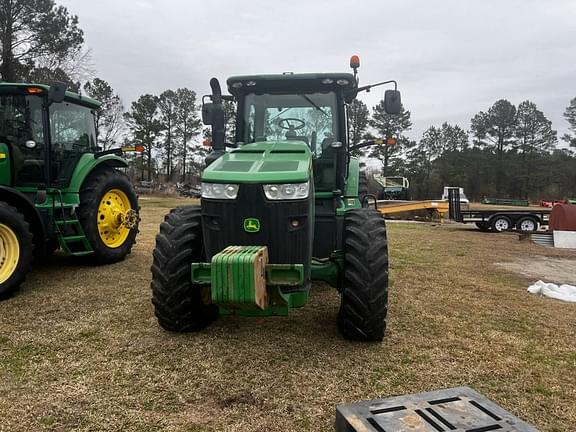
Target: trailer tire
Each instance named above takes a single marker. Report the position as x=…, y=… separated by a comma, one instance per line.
x=527, y=224
x=178, y=303
x=364, y=299
x=500, y=223
x=15, y=250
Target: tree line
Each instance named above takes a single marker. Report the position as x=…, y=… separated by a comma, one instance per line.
x=508, y=151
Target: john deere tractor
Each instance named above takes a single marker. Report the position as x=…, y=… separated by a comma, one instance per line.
x=281, y=207
x=57, y=191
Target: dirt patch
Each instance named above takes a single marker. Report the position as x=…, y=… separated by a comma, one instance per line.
x=547, y=269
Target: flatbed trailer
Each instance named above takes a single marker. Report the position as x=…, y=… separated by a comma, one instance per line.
x=499, y=220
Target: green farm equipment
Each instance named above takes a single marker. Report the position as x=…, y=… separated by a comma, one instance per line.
x=57, y=190
x=283, y=206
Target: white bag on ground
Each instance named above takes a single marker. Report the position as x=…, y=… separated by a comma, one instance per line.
x=562, y=292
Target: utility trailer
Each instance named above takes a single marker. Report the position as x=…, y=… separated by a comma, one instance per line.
x=497, y=220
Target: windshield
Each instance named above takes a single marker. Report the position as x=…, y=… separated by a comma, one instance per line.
x=307, y=117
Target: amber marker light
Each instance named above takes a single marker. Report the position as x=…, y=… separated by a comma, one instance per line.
x=354, y=62
x=34, y=90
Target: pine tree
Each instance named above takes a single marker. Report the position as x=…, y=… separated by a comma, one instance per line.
x=36, y=33
x=142, y=119
x=495, y=129
x=534, y=131
x=358, y=118
x=109, y=118
x=389, y=126
x=167, y=103
x=188, y=126
x=570, y=116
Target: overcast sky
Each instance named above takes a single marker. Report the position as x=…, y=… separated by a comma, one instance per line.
x=450, y=58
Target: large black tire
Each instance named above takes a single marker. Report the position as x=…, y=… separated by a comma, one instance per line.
x=362, y=188
x=97, y=185
x=13, y=265
x=179, y=304
x=364, y=302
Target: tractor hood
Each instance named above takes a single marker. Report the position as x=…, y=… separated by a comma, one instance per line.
x=262, y=162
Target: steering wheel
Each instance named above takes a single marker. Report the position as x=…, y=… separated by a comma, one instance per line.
x=285, y=124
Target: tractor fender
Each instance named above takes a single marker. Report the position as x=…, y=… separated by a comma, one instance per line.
x=88, y=163
x=25, y=206
x=353, y=178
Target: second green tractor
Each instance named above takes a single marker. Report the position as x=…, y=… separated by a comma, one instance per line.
x=282, y=205
x=58, y=190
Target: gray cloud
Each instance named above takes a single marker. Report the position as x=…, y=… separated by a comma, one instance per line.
x=451, y=58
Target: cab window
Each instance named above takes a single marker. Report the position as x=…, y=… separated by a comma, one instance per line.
x=73, y=133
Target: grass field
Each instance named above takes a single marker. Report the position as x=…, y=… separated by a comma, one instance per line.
x=80, y=348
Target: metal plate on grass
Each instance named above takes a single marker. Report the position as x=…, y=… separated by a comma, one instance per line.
x=458, y=409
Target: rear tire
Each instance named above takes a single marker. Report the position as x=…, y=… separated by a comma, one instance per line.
x=15, y=250
x=100, y=183
x=178, y=303
x=527, y=224
x=500, y=223
x=364, y=301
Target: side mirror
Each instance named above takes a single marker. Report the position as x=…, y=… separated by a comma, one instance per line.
x=207, y=111
x=392, y=102
x=57, y=92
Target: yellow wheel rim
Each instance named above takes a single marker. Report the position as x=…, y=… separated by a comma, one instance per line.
x=9, y=252
x=112, y=218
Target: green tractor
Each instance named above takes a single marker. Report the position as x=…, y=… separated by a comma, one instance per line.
x=57, y=191
x=282, y=207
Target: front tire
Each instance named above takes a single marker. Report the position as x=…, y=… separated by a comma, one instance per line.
x=364, y=301
x=178, y=303
x=108, y=213
x=15, y=250
x=500, y=224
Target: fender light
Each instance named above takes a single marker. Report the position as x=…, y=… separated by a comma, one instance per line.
x=290, y=191
x=225, y=191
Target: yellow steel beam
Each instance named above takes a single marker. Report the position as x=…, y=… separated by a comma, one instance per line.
x=407, y=206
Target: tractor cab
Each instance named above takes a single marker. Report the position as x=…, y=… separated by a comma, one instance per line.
x=45, y=138
x=309, y=108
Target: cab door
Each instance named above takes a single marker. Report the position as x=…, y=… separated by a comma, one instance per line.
x=22, y=130
x=72, y=134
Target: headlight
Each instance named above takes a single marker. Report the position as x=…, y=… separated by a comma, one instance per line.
x=219, y=190
x=287, y=191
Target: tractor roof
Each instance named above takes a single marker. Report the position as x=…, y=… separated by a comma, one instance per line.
x=290, y=83
x=70, y=97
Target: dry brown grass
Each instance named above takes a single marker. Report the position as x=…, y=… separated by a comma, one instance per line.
x=80, y=348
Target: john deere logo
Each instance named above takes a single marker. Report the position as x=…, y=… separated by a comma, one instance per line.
x=251, y=225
